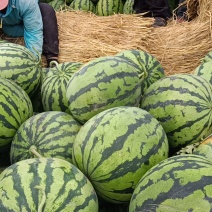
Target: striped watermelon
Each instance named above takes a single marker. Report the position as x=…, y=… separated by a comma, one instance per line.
x=179, y=183
x=116, y=147
x=204, y=70
x=207, y=57
x=50, y=134
x=147, y=64
x=182, y=104
x=128, y=7
x=57, y=5
x=103, y=83
x=53, y=88
x=21, y=66
x=85, y=5
x=205, y=148
x=46, y=184
x=15, y=108
x=109, y=7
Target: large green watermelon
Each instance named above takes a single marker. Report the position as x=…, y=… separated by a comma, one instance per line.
x=46, y=184
x=182, y=103
x=179, y=183
x=103, y=83
x=53, y=88
x=15, y=108
x=20, y=65
x=148, y=65
x=116, y=147
x=51, y=134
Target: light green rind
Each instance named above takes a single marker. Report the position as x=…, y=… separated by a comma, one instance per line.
x=116, y=147
x=182, y=103
x=65, y=187
x=179, y=183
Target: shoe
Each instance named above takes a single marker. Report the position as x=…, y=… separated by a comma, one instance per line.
x=159, y=22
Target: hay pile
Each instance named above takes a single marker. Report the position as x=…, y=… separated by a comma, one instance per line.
x=85, y=36
x=178, y=46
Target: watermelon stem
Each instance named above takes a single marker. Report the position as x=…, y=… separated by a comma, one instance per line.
x=43, y=200
x=33, y=150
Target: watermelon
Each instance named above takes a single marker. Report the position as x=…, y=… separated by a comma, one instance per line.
x=53, y=88
x=50, y=134
x=103, y=83
x=179, y=183
x=57, y=5
x=46, y=184
x=207, y=57
x=15, y=107
x=204, y=70
x=147, y=64
x=128, y=7
x=109, y=7
x=205, y=148
x=182, y=103
x=85, y=5
x=116, y=147
x=20, y=65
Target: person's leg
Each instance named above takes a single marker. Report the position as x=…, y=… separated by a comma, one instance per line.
x=140, y=6
x=181, y=11
x=50, y=33
x=159, y=8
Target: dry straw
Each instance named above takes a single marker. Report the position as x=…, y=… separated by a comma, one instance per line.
x=178, y=46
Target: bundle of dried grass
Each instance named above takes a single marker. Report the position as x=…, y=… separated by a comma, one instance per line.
x=200, y=9
x=180, y=47
x=85, y=36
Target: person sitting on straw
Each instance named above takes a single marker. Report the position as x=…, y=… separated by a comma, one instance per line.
x=34, y=21
x=158, y=9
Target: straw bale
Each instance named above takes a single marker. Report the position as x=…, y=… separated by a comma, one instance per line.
x=85, y=36
x=180, y=47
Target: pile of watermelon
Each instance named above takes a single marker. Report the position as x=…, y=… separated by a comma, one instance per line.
x=111, y=134
x=98, y=7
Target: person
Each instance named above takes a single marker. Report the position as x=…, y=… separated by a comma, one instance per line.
x=158, y=9
x=36, y=22
x=181, y=12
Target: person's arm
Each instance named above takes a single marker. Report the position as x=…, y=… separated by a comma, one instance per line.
x=33, y=26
